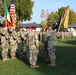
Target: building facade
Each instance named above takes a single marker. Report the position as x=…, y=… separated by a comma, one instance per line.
x=72, y=28
x=38, y=28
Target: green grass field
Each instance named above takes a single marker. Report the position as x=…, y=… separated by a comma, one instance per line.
x=65, y=60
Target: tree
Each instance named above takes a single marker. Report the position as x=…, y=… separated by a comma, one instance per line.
x=1, y=9
x=72, y=17
x=23, y=9
x=60, y=10
x=44, y=16
x=52, y=18
x=44, y=24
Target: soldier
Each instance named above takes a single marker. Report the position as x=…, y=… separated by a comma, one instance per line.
x=32, y=48
x=51, y=41
x=13, y=43
x=21, y=44
x=36, y=43
x=45, y=44
x=62, y=35
x=4, y=43
x=26, y=43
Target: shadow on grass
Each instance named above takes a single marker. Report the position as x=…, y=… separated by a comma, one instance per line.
x=72, y=42
x=23, y=58
x=65, y=60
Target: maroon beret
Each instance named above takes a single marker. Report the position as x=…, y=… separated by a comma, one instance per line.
x=3, y=25
x=20, y=27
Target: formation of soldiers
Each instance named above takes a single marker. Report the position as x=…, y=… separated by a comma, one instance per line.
x=14, y=41
x=64, y=35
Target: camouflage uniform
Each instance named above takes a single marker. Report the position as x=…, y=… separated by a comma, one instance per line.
x=27, y=45
x=32, y=52
x=45, y=45
x=13, y=43
x=18, y=39
x=21, y=43
x=37, y=42
x=4, y=44
x=51, y=40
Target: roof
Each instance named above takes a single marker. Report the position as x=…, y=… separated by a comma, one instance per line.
x=72, y=26
x=30, y=24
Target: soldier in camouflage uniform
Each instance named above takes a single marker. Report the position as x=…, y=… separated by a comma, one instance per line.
x=32, y=48
x=62, y=35
x=36, y=42
x=21, y=44
x=45, y=44
x=51, y=40
x=18, y=40
x=4, y=43
x=13, y=43
x=26, y=43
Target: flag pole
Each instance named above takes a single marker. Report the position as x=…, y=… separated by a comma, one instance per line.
x=59, y=27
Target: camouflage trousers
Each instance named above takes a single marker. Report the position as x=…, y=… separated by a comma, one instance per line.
x=21, y=48
x=27, y=52
x=4, y=52
x=51, y=54
x=45, y=48
x=13, y=50
x=32, y=55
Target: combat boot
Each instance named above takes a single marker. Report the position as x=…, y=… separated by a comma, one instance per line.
x=34, y=66
x=13, y=58
x=51, y=64
x=7, y=59
x=4, y=59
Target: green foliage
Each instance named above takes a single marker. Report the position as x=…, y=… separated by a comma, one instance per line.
x=44, y=15
x=1, y=9
x=23, y=8
x=44, y=25
x=52, y=18
x=61, y=10
x=72, y=17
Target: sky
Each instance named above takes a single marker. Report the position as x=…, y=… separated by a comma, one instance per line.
x=50, y=5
